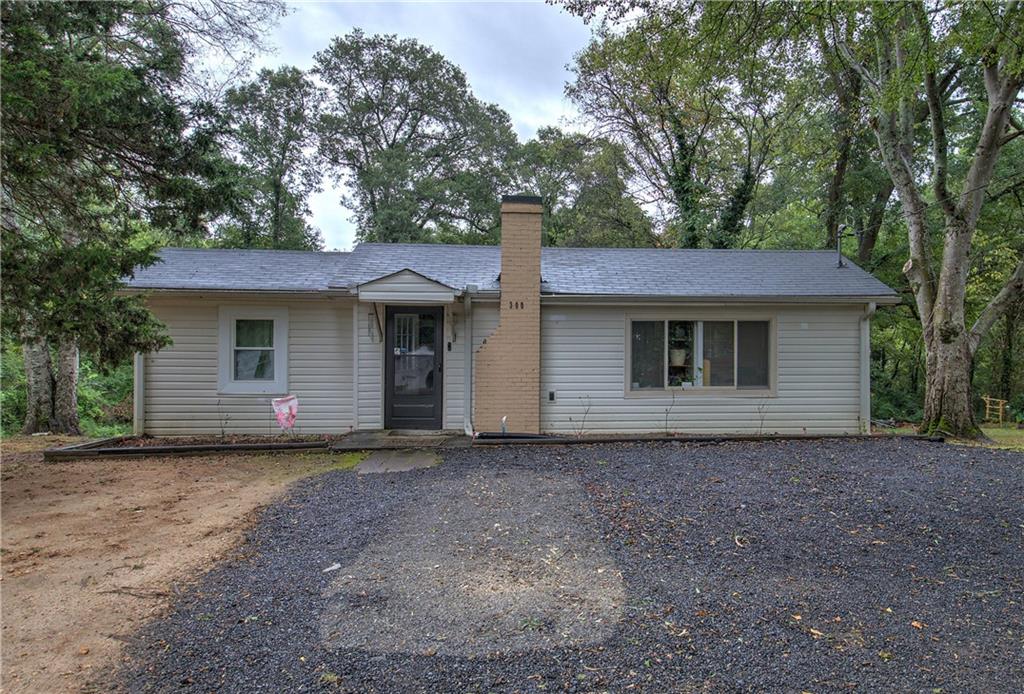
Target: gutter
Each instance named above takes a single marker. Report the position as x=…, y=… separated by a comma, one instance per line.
x=632, y=299
x=467, y=381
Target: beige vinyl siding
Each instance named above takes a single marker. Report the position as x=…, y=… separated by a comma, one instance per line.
x=454, y=373
x=406, y=287
x=583, y=358
x=371, y=367
x=181, y=381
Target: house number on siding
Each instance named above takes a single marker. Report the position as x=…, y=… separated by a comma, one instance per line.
x=517, y=304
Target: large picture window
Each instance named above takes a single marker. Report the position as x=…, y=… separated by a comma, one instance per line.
x=718, y=354
x=253, y=351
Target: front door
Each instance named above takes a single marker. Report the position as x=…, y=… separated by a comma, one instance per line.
x=412, y=368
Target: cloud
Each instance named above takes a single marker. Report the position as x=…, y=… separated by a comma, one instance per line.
x=514, y=54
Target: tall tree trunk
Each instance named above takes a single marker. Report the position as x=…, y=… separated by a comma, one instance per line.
x=275, y=220
x=65, y=403
x=834, y=196
x=39, y=385
x=868, y=239
x=948, y=407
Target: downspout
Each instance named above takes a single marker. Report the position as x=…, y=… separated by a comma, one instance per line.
x=467, y=346
x=139, y=395
x=865, y=367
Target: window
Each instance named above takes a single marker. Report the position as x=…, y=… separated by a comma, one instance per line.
x=253, y=351
x=720, y=354
x=752, y=365
x=647, y=352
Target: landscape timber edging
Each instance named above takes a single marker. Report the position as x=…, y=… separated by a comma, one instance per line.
x=94, y=449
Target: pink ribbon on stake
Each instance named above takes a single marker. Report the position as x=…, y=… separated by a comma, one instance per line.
x=286, y=409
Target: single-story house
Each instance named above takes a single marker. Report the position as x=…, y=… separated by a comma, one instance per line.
x=471, y=338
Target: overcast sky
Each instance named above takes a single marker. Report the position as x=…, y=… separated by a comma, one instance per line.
x=514, y=54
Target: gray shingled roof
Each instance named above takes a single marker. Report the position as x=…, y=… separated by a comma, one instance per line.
x=240, y=270
x=455, y=266
x=657, y=273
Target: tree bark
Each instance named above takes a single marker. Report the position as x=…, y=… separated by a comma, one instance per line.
x=948, y=407
x=867, y=241
x=65, y=402
x=39, y=385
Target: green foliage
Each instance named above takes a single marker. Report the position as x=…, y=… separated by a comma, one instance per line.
x=271, y=134
x=57, y=290
x=12, y=388
x=696, y=96
x=100, y=146
x=104, y=396
x=583, y=182
x=423, y=157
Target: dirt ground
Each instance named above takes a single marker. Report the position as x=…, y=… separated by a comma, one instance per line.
x=91, y=549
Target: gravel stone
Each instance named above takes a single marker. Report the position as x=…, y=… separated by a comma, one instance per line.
x=775, y=566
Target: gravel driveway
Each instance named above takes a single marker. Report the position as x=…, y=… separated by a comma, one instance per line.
x=784, y=566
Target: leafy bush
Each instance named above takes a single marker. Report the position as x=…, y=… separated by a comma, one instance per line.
x=1015, y=408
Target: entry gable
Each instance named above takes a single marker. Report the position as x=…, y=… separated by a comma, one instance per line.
x=407, y=287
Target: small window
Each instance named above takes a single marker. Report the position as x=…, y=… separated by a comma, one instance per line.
x=752, y=365
x=648, y=355
x=253, y=351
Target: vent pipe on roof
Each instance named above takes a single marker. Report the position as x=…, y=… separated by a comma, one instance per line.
x=840, y=235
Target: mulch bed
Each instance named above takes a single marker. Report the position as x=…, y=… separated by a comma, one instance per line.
x=826, y=565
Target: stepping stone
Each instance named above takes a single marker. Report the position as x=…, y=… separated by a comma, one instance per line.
x=397, y=461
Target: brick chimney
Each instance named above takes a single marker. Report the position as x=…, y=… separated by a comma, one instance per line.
x=507, y=365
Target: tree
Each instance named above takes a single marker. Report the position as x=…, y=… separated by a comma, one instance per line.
x=697, y=117
x=100, y=145
x=272, y=137
x=422, y=157
x=963, y=64
x=583, y=182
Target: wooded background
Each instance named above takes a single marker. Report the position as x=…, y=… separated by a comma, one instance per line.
x=892, y=129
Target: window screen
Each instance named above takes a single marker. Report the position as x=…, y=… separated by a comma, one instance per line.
x=719, y=353
x=647, y=355
x=752, y=364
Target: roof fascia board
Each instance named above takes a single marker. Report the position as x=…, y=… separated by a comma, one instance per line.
x=633, y=299
x=182, y=291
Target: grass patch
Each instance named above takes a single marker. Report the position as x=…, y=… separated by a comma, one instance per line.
x=1007, y=438
x=291, y=467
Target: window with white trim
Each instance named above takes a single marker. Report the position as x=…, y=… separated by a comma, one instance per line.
x=710, y=354
x=253, y=351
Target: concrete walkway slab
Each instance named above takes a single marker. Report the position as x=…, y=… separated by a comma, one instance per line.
x=397, y=461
